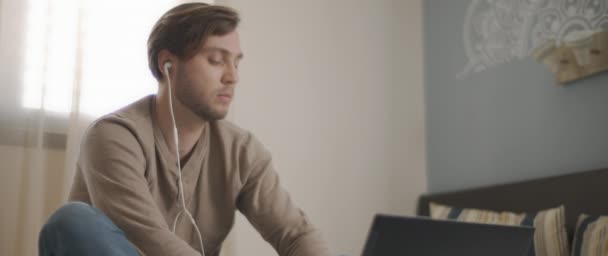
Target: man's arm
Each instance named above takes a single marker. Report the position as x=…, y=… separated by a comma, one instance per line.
x=112, y=166
x=270, y=210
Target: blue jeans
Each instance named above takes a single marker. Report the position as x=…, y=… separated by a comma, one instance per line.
x=79, y=229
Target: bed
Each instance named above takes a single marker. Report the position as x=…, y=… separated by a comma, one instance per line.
x=581, y=192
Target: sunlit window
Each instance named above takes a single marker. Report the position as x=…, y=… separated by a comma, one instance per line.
x=51, y=36
x=99, y=45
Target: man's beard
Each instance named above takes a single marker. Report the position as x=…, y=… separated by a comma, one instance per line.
x=198, y=106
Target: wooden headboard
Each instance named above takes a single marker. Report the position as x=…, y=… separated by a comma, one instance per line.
x=581, y=192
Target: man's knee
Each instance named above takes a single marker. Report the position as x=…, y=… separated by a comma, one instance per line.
x=79, y=229
x=73, y=218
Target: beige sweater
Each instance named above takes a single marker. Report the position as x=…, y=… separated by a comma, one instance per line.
x=126, y=170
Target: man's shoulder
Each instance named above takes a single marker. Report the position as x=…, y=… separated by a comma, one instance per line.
x=138, y=111
x=134, y=119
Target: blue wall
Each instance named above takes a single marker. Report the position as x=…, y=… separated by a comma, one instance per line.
x=508, y=123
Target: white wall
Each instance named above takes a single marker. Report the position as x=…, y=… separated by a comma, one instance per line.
x=334, y=90
x=409, y=133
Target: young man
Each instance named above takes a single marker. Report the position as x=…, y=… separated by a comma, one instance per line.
x=129, y=194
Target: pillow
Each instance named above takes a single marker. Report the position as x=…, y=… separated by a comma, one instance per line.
x=591, y=236
x=550, y=237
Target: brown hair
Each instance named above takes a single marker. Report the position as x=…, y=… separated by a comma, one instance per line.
x=183, y=29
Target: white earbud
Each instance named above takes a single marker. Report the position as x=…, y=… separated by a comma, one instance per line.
x=167, y=66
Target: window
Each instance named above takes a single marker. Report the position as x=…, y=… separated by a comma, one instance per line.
x=49, y=46
x=100, y=45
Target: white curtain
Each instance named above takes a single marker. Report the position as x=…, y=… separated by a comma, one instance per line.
x=64, y=64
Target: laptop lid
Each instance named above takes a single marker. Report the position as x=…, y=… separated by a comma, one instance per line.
x=421, y=236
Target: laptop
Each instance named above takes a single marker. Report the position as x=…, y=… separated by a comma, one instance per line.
x=422, y=236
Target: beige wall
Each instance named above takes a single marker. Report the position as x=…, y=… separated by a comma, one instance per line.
x=9, y=196
x=334, y=90
x=12, y=184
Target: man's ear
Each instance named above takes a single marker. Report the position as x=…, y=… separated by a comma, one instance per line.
x=165, y=56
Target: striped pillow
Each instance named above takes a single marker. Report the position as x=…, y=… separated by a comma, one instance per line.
x=590, y=238
x=550, y=237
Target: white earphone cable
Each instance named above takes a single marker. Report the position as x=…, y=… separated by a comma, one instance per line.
x=179, y=167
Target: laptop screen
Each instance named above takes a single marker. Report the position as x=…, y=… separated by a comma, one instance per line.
x=421, y=236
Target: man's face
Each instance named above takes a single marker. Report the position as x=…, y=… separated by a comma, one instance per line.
x=205, y=83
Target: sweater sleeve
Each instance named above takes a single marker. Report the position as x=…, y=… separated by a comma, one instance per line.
x=112, y=166
x=270, y=210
